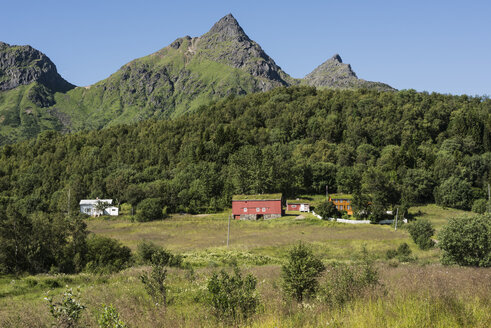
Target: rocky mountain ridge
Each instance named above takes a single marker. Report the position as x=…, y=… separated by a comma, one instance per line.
x=23, y=65
x=179, y=78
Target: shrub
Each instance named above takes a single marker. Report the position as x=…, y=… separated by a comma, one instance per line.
x=391, y=253
x=421, y=232
x=480, y=206
x=167, y=258
x=327, y=210
x=154, y=282
x=149, y=209
x=466, y=241
x=125, y=209
x=145, y=251
x=109, y=318
x=106, y=254
x=301, y=271
x=346, y=282
x=148, y=253
x=232, y=297
x=67, y=311
x=402, y=253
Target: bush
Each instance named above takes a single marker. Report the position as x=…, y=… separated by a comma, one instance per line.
x=346, y=282
x=232, y=297
x=149, y=209
x=480, y=206
x=125, y=209
x=67, y=311
x=148, y=253
x=154, y=282
x=167, y=258
x=301, y=271
x=327, y=210
x=106, y=254
x=402, y=253
x=109, y=318
x=466, y=241
x=145, y=251
x=391, y=253
x=421, y=232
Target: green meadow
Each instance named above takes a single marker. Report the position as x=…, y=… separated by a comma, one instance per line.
x=422, y=293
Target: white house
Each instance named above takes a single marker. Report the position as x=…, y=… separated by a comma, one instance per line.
x=89, y=207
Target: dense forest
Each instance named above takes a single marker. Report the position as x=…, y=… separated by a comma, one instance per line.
x=395, y=147
x=387, y=148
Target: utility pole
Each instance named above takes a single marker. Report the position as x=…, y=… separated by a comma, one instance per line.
x=327, y=193
x=228, y=232
x=397, y=214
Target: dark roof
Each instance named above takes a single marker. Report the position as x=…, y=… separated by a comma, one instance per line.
x=258, y=197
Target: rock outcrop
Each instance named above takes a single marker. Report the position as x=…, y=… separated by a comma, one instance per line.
x=22, y=65
x=333, y=73
x=227, y=43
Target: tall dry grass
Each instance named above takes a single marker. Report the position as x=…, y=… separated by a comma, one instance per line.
x=409, y=296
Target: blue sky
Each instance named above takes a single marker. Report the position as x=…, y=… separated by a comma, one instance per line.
x=441, y=46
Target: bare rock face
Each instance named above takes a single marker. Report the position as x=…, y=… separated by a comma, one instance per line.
x=334, y=73
x=227, y=43
x=22, y=65
x=228, y=29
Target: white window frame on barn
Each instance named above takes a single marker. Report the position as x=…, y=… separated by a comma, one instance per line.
x=264, y=209
x=245, y=209
x=258, y=209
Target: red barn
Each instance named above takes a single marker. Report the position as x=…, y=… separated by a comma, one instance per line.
x=255, y=207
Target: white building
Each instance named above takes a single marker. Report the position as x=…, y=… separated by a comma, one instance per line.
x=89, y=207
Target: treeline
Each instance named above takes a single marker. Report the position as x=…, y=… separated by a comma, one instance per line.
x=389, y=147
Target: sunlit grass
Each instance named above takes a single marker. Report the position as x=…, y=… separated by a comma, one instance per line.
x=418, y=294
x=409, y=296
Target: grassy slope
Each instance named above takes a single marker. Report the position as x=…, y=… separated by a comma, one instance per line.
x=121, y=99
x=20, y=118
x=412, y=295
x=167, y=83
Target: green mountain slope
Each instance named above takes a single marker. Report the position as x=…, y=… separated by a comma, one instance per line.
x=28, y=80
x=177, y=79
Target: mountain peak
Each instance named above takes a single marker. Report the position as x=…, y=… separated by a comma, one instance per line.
x=336, y=58
x=333, y=73
x=228, y=28
x=22, y=65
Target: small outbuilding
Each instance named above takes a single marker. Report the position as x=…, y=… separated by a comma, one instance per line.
x=98, y=207
x=256, y=207
x=298, y=205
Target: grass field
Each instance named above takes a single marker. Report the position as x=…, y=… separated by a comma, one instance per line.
x=418, y=294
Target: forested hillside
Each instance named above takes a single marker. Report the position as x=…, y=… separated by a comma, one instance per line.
x=388, y=147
